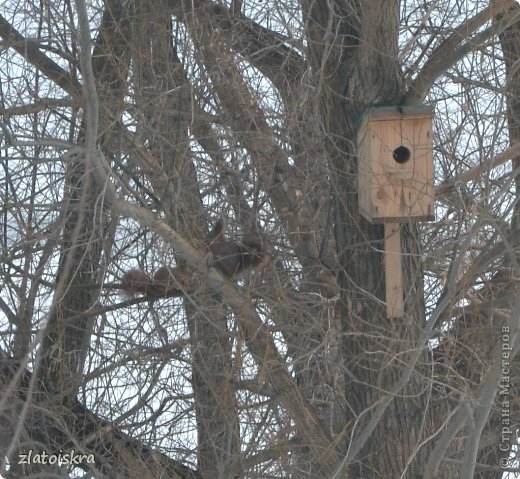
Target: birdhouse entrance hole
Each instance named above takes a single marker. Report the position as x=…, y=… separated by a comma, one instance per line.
x=401, y=154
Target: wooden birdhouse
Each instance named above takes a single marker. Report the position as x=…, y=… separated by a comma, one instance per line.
x=396, y=164
x=395, y=181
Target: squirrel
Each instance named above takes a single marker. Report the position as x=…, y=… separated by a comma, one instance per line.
x=230, y=257
x=167, y=282
x=233, y=257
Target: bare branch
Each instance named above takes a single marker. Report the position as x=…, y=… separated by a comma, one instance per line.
x=451, y=50
x=29, y=50
x=475, y=173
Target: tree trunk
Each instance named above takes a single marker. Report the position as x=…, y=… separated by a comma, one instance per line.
x=360, y=69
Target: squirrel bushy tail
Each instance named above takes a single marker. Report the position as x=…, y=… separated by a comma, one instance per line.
x=167, y=282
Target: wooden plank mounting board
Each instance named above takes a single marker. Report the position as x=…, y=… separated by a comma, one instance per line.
x=393, y=271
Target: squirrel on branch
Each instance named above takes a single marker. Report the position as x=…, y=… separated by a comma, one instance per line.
x=233, y=257
x=230, y=257
x=167, y=281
